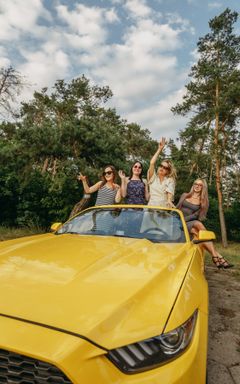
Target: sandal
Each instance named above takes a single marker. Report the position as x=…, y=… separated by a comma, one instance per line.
x=216, y=261
x=222, y=263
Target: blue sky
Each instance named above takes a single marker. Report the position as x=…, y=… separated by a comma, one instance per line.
x=142, y=49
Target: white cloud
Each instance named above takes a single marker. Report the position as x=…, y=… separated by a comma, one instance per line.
x=159, y=119
x=4, y=60
x=141, y=67
x=20, y=16
x=183, y=24
x=147, y=36
x=45, y=66
x=214, y=5
x=139, y=71
x=89, y=23
x=138, y=8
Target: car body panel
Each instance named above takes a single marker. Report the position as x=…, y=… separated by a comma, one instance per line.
x=83, y=362
x=69, y=298
x=73, y=274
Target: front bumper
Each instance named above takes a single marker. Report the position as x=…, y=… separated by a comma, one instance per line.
x=83, y=362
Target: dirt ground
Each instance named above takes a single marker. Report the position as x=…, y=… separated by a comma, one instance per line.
x=224, y=326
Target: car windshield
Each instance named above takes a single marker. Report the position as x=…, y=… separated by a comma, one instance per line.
x=155, y=225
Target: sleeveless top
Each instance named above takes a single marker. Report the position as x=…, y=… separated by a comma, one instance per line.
x=190, y=211
x=106, y=196
x=135, y=192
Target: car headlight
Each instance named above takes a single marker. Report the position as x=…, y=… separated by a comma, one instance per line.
x=150, y=353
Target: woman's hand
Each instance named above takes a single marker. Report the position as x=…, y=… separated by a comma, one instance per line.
x=81, y=177
x=121, y=174
x=162, y=143
x=170, y=205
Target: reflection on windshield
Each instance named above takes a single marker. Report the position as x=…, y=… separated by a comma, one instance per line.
x=142, y=223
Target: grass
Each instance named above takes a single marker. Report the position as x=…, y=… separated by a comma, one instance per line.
x=13, y=233
x=231, y=254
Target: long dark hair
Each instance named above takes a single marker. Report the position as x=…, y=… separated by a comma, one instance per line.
x=103, y=176
x=131, y=170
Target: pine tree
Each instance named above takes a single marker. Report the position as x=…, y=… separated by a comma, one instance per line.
x=213, y=97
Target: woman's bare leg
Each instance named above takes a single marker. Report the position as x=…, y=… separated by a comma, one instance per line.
x=217, y=259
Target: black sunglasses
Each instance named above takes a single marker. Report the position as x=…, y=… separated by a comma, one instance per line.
x=107, y=173
x=137, y=166
x=164, y=167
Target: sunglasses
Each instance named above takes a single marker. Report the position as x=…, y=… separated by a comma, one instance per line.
x=137, y=166
x=198, y=184
x=164, y=167
x=108, y=173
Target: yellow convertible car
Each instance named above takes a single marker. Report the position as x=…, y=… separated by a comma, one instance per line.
x=115, y=295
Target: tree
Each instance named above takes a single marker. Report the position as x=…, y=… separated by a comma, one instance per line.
x=213, y=98
x=60, y=132
x=11, y=84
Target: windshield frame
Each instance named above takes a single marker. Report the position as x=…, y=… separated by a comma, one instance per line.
x=171, y=212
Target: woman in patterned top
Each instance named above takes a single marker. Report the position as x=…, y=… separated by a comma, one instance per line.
x=133, y=187
x=162, y=183
x=108, y=192
x=194, y=206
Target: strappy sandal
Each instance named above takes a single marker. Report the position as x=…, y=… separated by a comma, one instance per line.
x=216, y=261
x=224, y=263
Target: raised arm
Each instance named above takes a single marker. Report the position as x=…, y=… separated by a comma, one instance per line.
x=124, y=181
x=86, y=187
x=153, y=160
x=118, y=196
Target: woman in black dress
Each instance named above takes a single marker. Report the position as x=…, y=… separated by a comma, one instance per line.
x=194, y=206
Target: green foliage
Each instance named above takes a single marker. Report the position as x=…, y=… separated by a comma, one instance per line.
x=211, y=138
x=60, y=133
x=69, y=130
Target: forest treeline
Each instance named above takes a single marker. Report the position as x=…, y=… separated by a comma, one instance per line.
x=70, y=128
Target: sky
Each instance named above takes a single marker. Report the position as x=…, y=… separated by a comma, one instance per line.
x=142, y=49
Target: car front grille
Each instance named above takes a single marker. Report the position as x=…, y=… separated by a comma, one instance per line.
x=19, y=369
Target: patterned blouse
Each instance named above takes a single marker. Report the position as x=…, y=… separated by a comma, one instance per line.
x=135, y=192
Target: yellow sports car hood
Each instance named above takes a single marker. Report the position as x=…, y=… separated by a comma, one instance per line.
x=111, y=290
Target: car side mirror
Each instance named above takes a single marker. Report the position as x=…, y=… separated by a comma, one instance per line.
x=55, y=226
x=204, y=236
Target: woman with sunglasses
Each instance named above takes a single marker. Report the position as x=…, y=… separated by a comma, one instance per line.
x=194, y=206
x=108, y=192
x=133, y=187
x=162, y=183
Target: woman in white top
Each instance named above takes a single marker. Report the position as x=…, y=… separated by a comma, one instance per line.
x=162, y=183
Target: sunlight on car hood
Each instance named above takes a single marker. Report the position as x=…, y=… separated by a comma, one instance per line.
x=100, y=287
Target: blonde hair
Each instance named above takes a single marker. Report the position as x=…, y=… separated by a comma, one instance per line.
x=204, y=202
x=171, y=171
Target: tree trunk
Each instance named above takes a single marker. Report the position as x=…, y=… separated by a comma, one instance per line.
x=220, y=205
x=54, y=171
x=45, y=165
x=218, y=153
